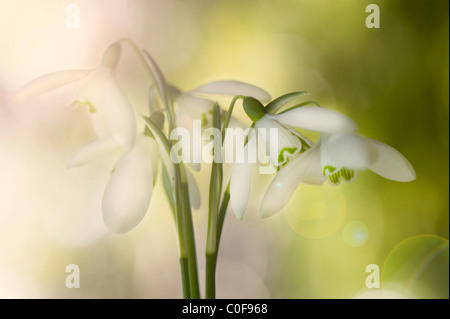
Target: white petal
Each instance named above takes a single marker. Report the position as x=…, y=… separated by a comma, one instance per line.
x=240, y=181
x=233, y=88
x=129, y=190
x=48, y=83
x=93, y=151
x=196, y=108
x=102, y=91
x=194, y=192
x=112, y=55
x=391, y=164
x=302, y=168
x=195, y=166
x=347, y=150
x=316, y=118
x=276, y=140
x=314, y=173
x=99, y=126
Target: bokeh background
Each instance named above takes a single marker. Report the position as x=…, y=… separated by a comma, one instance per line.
x=393, y=81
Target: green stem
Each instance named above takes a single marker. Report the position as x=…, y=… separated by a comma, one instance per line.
x=210, y=286
x=211, y=257
x=221, y=217
x=215, y=191
x=183, y=213
x=184, y=266
x=189, y=237
x=216, y=215
x=211, y=240
x=183, y=217
x=228, y=116
x=184, y=259
x=226, y=196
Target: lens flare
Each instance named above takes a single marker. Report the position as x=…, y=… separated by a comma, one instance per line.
x=419, y=265
x=316, y=212
x=355, y=233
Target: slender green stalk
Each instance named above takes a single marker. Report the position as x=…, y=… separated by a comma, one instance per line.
x=168, y=189
x=184, y=266
x=183, y=258
x=215, y=188
x=212, y=254
x=183, y=219
x=216, y=214
x=229, y=113
x=210, y=284
x=188, y=227
x=215, y=191
x=180, y=203
x=221, y=217
x=211, y=257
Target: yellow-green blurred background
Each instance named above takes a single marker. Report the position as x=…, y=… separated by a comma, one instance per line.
x=393, y=81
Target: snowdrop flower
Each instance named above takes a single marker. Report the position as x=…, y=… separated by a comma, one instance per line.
x=197, y=104
x=334, y=158
x=109, y=107
x=128, y=192
x=287, y=145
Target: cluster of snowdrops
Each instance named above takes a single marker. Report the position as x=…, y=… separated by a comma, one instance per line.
x=174, y=120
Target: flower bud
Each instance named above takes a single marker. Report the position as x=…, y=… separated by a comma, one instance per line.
x=253, y=108
x=112, y=55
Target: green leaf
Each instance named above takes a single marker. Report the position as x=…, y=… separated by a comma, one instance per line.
x=281, y=101
x=215, y=190
x=300, y=105
x=168, y=189
x=164, y=144
x=157, y=133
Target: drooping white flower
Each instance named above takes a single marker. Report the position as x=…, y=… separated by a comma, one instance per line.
x=129, y=190
x=162, y=94
x=109, y=107
x=287, y=144
x=198, y=104
x=334, y=158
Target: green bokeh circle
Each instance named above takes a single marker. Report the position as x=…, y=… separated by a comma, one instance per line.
x=418, y=267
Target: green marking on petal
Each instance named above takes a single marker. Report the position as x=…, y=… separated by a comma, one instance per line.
x=337, y=175
x=305, y=145
x=92, y=108
x=204, y=119
x=335, y=178
x=285, y=159
x=347, y=174
x=328, y=168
